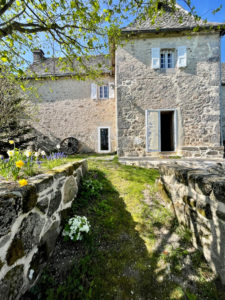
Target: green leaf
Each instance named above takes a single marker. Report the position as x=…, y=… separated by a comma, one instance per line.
x=4, y=59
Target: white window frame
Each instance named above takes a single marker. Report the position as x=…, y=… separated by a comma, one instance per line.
x=159, y=126
x=165, y=53
x=103, y=87
x=99, y=139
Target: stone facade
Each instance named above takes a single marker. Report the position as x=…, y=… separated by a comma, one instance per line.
x=197, y=198
x=193, y=92
x=30, y=222
x=177, y=109
x=223, y=104
x=66, y=109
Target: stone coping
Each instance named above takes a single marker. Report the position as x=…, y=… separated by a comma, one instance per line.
x=153, y=162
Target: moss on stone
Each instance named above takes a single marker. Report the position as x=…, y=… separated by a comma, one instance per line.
x=15, y=251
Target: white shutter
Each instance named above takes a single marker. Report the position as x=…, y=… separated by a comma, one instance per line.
x=152, y=130
x=182, y=57
x=93, y=91
x=155, y=58
x=111, y=90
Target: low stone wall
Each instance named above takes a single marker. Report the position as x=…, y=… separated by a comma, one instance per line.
x=203, y=152
x=30, y=222
x=198, y=199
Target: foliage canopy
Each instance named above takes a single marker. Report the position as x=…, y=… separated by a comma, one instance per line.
x=74, y=28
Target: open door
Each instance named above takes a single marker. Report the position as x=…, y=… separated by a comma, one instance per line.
x=161, y=130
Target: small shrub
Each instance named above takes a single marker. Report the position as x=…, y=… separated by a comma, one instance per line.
x=75, y=228
x=91, y=188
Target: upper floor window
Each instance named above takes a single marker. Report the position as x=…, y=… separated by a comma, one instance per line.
x=104, y=92
x=166, y=59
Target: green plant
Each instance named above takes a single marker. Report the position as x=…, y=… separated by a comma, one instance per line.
x=91, y=188
x=18, y=164
x=75, y=228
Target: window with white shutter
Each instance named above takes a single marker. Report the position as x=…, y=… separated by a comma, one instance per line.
x=155, y=58
x=93, y=91
x=182, y=57
x=111, y=90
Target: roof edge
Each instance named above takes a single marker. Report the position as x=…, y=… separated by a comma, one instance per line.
x=175, y=29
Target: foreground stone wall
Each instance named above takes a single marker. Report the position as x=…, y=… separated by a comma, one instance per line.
x=30, y=221
x=66, y=109
x=198, y=199
x=194, y=91
x=223, y=109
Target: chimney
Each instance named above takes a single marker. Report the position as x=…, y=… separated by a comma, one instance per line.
x=38, y=56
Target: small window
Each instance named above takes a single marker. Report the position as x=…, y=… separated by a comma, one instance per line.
x=166, y=59
x=104, y=139
x=104, y=92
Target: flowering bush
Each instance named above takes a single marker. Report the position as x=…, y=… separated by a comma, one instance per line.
x=75, y=228
x=17, y=163
x=23, y=163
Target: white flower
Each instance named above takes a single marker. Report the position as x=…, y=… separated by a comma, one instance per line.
x=58, y=146
x=36, y=154
x=27, y=153
x=10, y=153
x=43, y=152
x=77, y=226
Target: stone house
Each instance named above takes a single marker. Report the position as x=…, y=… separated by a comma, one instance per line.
x=169, y=93
x=68, y=107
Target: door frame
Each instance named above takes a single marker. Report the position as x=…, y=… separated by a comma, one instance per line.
x=99, y=139
x=159, y=128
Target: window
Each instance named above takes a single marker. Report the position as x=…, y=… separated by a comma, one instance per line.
x=104, y=92
x=166, y=59
x=169, y=58
x=104, y=139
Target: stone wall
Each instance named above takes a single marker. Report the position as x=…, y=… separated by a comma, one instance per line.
x=194, y=91
x=30, y=221
x=198, y=200
x=66, y=109
x=223, y=110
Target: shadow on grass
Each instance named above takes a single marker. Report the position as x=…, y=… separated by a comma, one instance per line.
x=113, y=262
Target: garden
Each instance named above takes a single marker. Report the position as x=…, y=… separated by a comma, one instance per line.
x=22, y=164
x=120, y=242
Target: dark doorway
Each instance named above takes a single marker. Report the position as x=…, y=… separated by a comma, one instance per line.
x=104, y=139
x=167, y=130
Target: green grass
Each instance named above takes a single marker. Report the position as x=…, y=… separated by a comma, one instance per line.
x=126, y=256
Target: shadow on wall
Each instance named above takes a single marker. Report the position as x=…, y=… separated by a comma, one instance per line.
x=29, y=137
x=49, y=143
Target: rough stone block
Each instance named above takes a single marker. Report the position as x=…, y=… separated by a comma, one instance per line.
x=70, y=189
x=54, y=202
x=10, y=208
x=42, y=204
x=11, y=284
x=29, y=231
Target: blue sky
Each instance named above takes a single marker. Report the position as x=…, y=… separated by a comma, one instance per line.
x=204, y=9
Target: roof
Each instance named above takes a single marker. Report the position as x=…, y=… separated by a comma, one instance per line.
x=59, y=67
x=169, y=20
x=223, y=73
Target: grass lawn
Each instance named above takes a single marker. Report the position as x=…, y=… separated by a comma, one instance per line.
x=135, y=249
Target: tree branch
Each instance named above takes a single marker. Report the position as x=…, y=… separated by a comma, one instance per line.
x=6, y=7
